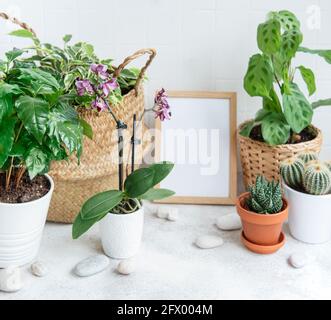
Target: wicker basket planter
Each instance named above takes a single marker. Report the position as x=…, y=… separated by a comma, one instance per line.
x=258, y=158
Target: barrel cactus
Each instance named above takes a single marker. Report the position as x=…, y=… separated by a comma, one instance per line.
x=265, y=197
x=317, y=179
x=308, y=156
x=328, y=164
x=292, y=171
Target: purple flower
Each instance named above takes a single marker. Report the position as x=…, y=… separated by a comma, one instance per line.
x=163, y=108
x=83, y=86
x=99, y=104
x=109, y=86
x=100, y=70
x=161, y=99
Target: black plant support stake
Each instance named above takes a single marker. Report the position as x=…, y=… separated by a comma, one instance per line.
x=120, y=127
x=133, y=142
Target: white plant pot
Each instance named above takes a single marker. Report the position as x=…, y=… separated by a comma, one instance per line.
x=309, y=216
x=21, y=227
x=121, y=234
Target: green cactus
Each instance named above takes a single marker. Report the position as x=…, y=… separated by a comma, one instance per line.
x=265, y=197
x=308, y=155
x=317, y=179
x=328, y=164
x=292, y=171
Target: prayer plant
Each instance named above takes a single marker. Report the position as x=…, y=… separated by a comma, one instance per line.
x=286, y=111
x=36, y=123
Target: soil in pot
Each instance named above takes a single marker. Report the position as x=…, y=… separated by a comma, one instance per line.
x=305, y=135
x=26, y=191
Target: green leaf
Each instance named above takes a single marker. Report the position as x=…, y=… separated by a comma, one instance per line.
x=69, y=79
x=157, y=194
x=247, y=129
x=139, y=182
x=259, y=77
x=291, y=41
x=71, y=135
x=43, y=77
x=287, y=20
x=272, y=103
x=22, y=33
x=7, y=136
x=100, y=204
x=261, y=114
x=67, y=38
x=36, y=161
x=161, y=171
x=269, y=36
x=21, y=146
x=297, y=110
x=309, y=78
x=87, y=129
x=81, y=226
x=57, y=150
x=6, y=105
x=325, y=54
x=14, y=54
x=33, y=112
x=321, y=103
x=275, y=129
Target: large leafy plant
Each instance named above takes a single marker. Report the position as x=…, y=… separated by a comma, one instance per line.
x=72, y=62
x=36, y=123
x=137, y=187
x=270, y=75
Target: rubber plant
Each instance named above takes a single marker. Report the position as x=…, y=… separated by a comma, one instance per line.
x=271, y=75
x=36, y=123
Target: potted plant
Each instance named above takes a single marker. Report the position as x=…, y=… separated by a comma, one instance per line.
x=81, y=73
x=282, y=128
x=120, y=212
x=307, y=185
x=263, y=211
x=37, y=126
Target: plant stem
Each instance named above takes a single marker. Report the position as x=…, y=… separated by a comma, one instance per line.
x=8, y=173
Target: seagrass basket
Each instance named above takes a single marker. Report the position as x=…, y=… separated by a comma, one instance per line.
x=98, y=169
x=258, y=158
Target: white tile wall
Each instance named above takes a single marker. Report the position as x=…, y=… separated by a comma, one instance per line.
x=202, y=44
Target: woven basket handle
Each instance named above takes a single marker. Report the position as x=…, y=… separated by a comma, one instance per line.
x=151, y=52
x=23, y=25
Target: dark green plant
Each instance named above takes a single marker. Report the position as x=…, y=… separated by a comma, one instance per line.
x=270, y=75
x=36, y=123
x=138, y=186
x=265, y=197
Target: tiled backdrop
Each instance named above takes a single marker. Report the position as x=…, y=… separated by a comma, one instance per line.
x=201, y=44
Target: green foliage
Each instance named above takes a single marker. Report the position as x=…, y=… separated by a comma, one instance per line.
x=265, y=197
x=279, y=39
x=292, y=171
x=317, y=178
x=138, y=186
x=29, y=136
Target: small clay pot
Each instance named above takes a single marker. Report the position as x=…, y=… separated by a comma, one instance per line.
x=261, y=229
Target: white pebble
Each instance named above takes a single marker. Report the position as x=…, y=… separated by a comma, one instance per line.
x=91, y=266
x=173, y=215
x=230, y=222
x=162, y=212
x=39, y=269
x=10, y=280
x=126, y=267
x=299, y=260
x=209, y=242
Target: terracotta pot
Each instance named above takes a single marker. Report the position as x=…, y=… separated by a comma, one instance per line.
x=261, y=229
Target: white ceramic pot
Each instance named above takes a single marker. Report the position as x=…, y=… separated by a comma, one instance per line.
x=309, y=216
x=121, y=234
x=21, y=227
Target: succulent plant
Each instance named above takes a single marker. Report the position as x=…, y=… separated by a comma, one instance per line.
x=308, y=155
x=328, y=164
x=265, y=197
x=292, y=171
x=317, y=179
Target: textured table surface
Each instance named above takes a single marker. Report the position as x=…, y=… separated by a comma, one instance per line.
x=171, y=267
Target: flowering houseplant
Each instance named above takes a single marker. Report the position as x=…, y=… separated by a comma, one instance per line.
x=286, y=115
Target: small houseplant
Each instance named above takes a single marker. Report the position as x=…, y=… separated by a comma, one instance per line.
x=283, y=125
x=37, y=126
x=263, y=211
x=307, y=185
x=120, y=212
